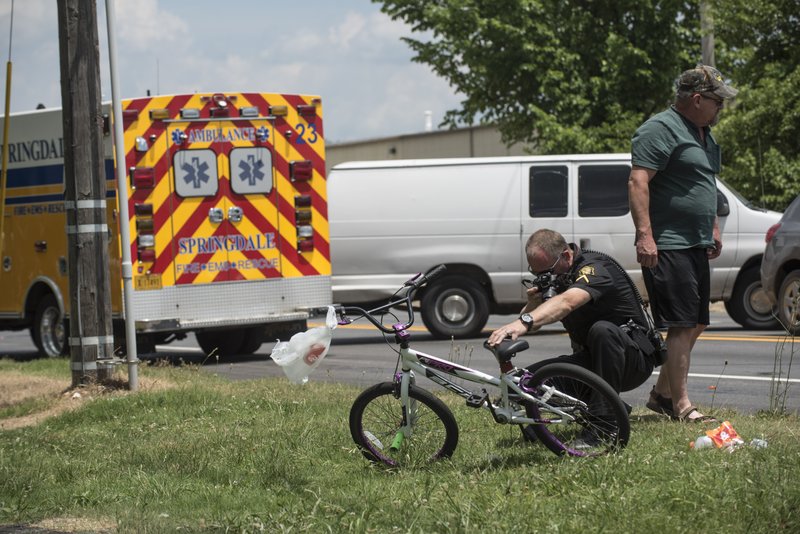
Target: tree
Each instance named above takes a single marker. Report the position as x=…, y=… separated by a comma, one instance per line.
x=572, y=77
x=759, y=134
x=564, y=76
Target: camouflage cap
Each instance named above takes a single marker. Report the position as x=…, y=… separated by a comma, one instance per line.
x=705, y=79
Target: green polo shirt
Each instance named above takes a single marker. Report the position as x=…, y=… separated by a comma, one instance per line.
x=683, y=192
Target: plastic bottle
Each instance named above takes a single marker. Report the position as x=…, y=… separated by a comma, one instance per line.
x=757, y=443
x=703, y=442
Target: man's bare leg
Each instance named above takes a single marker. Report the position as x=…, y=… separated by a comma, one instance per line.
x=674, y=375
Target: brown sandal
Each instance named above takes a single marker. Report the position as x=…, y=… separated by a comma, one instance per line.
x=659, y=403
x=684, y=417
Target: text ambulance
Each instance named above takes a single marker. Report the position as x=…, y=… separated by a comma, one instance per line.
x=228, y=220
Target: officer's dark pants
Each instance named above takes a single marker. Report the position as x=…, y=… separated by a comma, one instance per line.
x=612, y=354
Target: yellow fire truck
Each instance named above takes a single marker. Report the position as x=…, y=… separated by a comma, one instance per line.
x=228, y=220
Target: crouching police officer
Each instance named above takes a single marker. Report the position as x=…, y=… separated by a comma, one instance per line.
x=611, y=332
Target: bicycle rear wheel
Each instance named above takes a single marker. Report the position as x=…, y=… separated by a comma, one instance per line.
x=598, y=422
x=377, y=424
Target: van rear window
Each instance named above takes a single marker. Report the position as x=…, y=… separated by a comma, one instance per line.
x=548, y=191
x=603, y=190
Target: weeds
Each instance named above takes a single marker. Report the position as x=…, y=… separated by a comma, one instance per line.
x=779, y=385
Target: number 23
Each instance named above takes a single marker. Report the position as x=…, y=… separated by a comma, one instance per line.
x=312, y=134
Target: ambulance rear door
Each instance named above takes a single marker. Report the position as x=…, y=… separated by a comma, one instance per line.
x=224, y=215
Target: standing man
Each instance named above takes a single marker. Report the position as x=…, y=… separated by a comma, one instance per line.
x=673, y=200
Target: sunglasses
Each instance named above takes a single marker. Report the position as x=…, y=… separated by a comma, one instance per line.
x=718, y=101
x=552, y=267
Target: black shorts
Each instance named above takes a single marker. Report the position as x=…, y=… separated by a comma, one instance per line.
x=679, y=287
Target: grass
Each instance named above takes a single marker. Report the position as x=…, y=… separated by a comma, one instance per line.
x=200, y=454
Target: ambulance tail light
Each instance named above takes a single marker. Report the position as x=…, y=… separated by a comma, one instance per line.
x=159, y=114
x=147, y=255
x=146, y=244
x=305, y=238
x=302, y=219
x=143, y=177
x=147, y=240
x=278, y=111
x=129, y=116
x=145, y=210
x=301, y=171
x=190, y=113
x=144, y=226
x=302, y=216
x=306, y=111
x=249, y=111
x=305, y=245
x=145, y=231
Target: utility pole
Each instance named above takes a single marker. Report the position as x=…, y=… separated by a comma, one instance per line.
x=707, y=34
x=90, y=328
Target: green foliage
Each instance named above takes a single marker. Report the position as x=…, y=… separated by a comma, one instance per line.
x=266, y=456
x=580, y=77
x=760, y=42
x=566, y=76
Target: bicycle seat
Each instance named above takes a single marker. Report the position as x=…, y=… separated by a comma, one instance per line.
x=507, y=349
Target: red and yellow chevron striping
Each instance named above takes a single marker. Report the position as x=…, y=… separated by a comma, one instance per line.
x=226, y=187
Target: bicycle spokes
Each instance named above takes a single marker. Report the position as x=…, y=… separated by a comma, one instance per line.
x=427, y=432
x=582, y=416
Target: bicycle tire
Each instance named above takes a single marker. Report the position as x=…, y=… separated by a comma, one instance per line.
x=376, y=417
x=601, y=426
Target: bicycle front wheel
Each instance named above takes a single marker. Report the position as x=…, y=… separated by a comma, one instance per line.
x=594, y=420
x=387, y=435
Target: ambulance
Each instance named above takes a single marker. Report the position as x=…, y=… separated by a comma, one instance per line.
x=227, y=212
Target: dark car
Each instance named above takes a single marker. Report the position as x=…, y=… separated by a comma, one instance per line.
x=780, y=267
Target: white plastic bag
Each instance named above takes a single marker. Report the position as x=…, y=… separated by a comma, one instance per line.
x=305, y=350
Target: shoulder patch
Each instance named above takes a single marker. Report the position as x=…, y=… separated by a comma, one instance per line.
x=585, y=272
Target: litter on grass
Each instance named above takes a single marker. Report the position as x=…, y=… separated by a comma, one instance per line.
x=724, y=437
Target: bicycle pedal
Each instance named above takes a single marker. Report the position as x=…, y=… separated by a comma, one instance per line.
x=476, y=401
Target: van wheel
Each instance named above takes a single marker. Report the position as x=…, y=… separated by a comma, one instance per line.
x=455, y=307
x=789, y=303
x=220, y=342
x=48, y=330
x=749, y=305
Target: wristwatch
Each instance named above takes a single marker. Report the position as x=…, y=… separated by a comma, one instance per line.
x=527, y=320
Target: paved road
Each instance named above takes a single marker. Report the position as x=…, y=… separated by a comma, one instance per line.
x=731, y=367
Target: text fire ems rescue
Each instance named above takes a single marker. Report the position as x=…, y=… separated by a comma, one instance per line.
x=228, y=220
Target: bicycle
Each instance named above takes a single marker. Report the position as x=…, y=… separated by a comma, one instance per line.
x=567, y=408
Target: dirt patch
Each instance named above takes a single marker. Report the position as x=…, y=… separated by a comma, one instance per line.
x=62, y=525
x=16, y=388
x=75, y=524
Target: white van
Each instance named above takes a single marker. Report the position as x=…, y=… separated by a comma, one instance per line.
x=392, y=219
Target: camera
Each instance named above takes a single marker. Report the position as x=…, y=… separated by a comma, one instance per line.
x=548, y=284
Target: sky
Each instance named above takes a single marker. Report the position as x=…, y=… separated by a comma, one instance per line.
x=345, y=51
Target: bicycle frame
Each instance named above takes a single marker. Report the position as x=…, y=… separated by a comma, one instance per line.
x=436, y=369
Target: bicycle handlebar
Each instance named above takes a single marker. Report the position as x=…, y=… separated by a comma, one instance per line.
x=431, y=275
x=413, y=285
